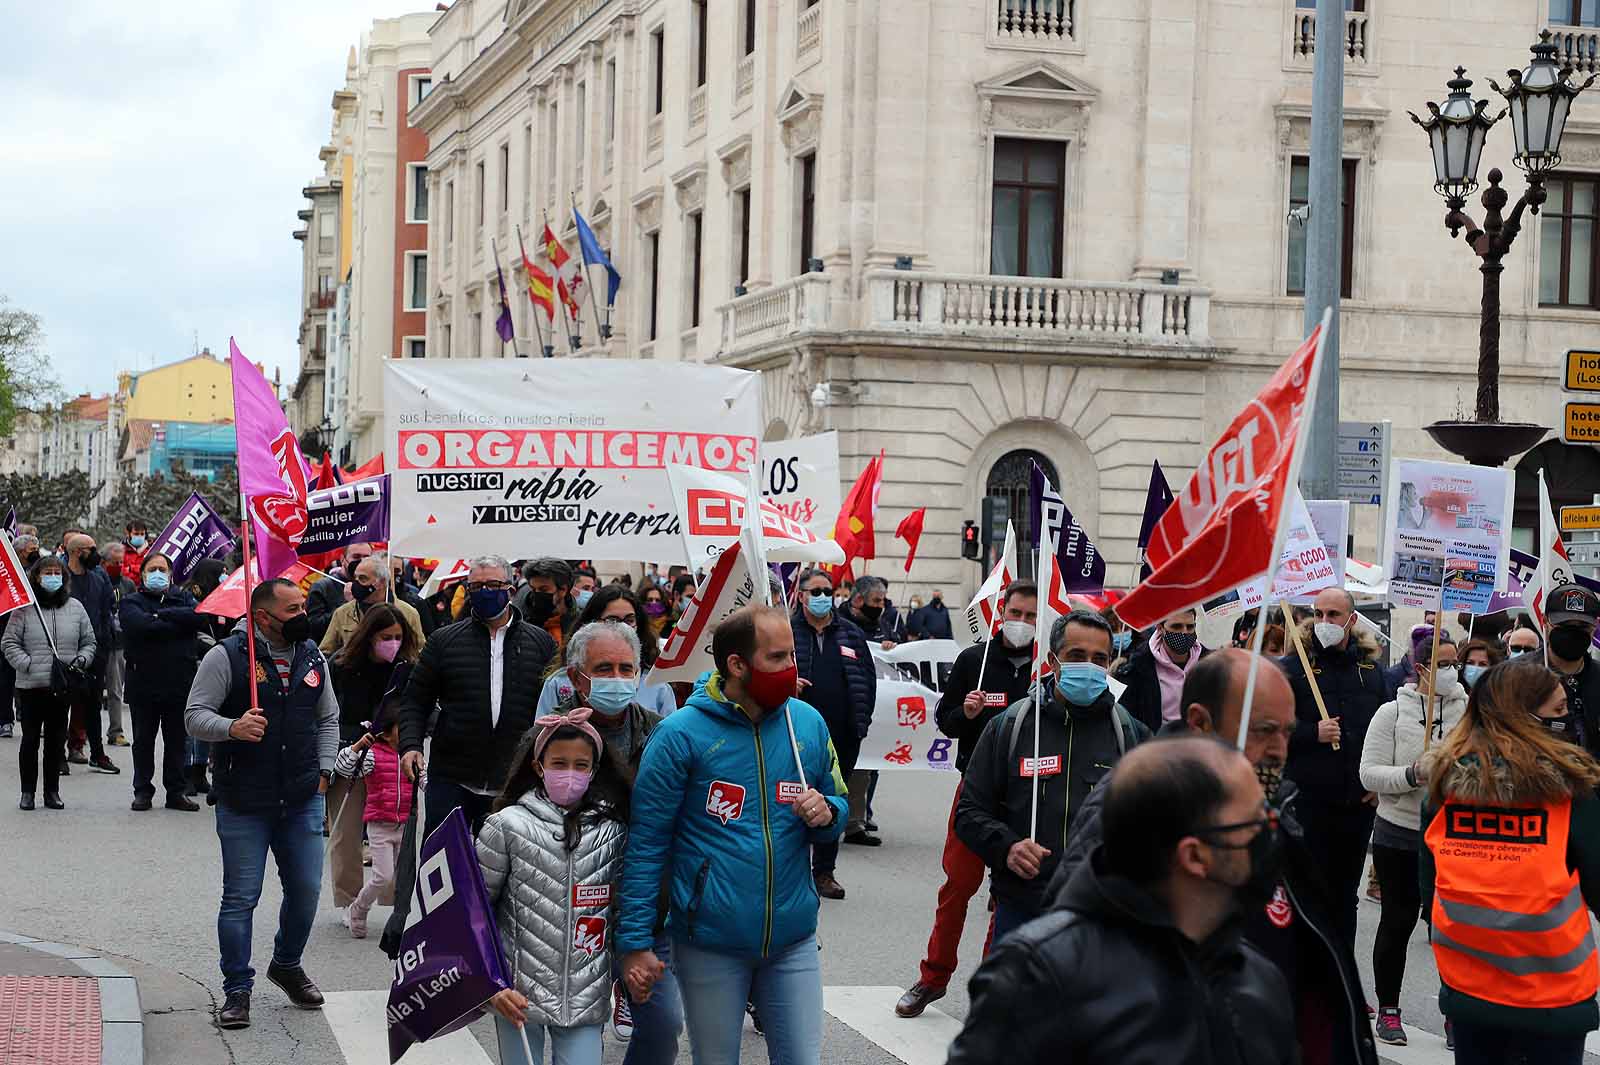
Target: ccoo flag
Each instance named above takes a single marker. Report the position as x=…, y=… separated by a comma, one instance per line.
x=273, y=476
x=1156, y=501
x=195, y=533
x=1080, y=568
x=1222, y=530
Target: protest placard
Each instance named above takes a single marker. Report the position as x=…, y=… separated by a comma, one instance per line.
x=801, y=476
x=711, y=510
x=1448, y=542
x=556, y=456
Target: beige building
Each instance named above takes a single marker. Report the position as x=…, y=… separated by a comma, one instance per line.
x=991, y=231
x=19, y=454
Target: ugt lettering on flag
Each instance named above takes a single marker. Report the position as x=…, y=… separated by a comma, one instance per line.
x=1221, y=531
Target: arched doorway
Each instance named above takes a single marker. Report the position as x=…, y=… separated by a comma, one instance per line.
x=1010, y=485
x=1572, y=474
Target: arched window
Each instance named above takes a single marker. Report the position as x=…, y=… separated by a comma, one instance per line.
x=1011, y=480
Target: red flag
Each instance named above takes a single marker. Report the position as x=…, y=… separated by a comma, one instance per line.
x=372, y=468
x=328, y=473
x=910, y=530
x=1221, y=531
x=853, y=529
x=15, y=589
x=228, y=599
x=569, y=272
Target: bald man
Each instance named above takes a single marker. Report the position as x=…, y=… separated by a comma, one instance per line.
x=91, y=587
x=1296, y=929
x=1190, y=839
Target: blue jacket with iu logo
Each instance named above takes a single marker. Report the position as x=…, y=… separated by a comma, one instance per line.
x=712, y=807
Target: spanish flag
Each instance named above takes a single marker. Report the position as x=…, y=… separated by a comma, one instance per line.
x=539, y=285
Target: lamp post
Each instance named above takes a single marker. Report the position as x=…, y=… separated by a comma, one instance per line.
x=1538, y=100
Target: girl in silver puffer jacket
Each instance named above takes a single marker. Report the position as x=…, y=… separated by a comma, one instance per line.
x=551, y=853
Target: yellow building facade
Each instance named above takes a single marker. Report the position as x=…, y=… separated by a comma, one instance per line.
x=196, y=389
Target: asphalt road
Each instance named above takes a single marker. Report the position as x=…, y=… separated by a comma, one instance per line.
x=143, y=888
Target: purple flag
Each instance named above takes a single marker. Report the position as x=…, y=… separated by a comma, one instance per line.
x=1156, y=501
x=502, y=324
x=195, y=533
x=1082, y=566
x=273, y=476
x=10, y=525
x=449, y=963
x=356, y=512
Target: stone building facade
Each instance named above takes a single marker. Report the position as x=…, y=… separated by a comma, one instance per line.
x=983, y=232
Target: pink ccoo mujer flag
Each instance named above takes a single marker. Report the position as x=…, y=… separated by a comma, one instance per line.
x=273, y=476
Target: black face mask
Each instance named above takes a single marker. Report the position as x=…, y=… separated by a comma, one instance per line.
x=296, y=629
x=1569, y=642
x=872, y=613
x=1266, y=865
x=1270, y=774
x=91, y=559
x=361, y=592
x=541, y=605
x=1559, y=727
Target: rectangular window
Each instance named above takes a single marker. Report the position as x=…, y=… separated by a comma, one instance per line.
x=416, y=348
x=658, y=56
x=741, y=204
x=749, y=27
x=505, y=177
x=552, y=139
x=579, y=124
x=482, y=191
x=527, y=170
x=611, y=109
x=1026, y=224
x=477, y=332
x=1575, y=12
x=420, y=87
x=1361, y=5
x=653, y=244
x=417, y=297
x=325, y=233
x=1567, y=242
x=700, y=35
x=419, y=192
x=808, y=208
x=444, y=336
x=696, y=235
x=449, y=213
x=1299, y=184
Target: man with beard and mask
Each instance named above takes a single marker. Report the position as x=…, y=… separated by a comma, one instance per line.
x=371, y=586
x=837, y=677
x=1336, y=811
x=733, y=790
x=90, y=586
x=1295, y=928
x=484, y=674
x=1081, y=734
x=1570, y=613
x=273, y=758
x=965, y=709
x=546, y=600
x=1143, y=959
x=333, y=591
x=1154, y=673
x=931, y=622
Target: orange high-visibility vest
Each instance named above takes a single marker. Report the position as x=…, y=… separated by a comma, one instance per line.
x=1509, y=921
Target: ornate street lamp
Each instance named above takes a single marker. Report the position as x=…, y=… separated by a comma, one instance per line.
x=1539, y=101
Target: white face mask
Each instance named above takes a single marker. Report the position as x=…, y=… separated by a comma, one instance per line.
x=1447, y=680
x=1017, y=634
x=1328, y=634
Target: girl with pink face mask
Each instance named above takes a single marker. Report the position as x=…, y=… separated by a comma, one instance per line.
x=551, y=854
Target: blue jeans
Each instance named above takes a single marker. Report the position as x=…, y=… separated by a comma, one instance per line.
x=786, y=987
x=196, y=752
x=1480, y=1044
x=441, y=796
x=294, y=836
x=656, y=1023
x=568, y=1046
x=1008, y=917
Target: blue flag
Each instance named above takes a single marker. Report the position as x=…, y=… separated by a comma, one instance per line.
x=1156, y=501
x=594, y=255
x=1081, y=565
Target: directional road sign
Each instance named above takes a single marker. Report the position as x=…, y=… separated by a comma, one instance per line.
x=1363, y=461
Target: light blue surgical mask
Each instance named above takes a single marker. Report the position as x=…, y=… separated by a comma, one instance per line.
x=1470, y=674
x=1080, y=683
x=819, y=605
x=581, y=599
x=50, y=582
x=136, y=541
x=1121, y=641
x=612, y=695
x=157, y=580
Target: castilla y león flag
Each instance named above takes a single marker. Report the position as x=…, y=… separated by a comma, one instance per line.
x=1220, y=532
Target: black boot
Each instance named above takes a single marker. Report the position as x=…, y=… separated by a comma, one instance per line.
x=52, y=801
x=296, y=984
x=26, y=802
x=235, y=1012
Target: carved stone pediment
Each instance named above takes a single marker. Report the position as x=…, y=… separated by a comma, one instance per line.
x=799, y=118
x=647, y=209
x=689, y=184
x=1037, y=97
x=735, y=158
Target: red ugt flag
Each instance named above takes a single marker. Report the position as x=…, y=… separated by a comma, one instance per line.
x=1219, y=533
x=15, y=591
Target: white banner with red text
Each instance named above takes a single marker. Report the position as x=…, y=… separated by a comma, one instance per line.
x=801, y=477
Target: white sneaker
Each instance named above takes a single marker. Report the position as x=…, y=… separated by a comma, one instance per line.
x=343, y=913
x=621, y=1013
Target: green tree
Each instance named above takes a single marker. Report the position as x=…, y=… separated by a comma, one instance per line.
x=52, y=503
x=27, y=381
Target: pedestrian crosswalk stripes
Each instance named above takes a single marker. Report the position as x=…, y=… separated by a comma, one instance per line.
x=924, y=1040
x=358, y=1022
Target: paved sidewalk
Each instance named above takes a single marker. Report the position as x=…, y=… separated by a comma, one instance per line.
x=62, y=1005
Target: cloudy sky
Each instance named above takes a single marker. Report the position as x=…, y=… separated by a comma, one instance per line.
x=153, y=160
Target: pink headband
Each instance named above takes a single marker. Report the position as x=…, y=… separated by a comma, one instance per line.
x=577, y=717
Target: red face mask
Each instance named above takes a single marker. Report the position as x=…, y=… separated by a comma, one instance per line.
x=772, y=690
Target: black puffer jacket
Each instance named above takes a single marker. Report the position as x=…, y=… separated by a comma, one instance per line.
x=1108, y=978
x=1353, y=686
x=1011, y=682
x=161, y=646
x=469, y=748
x=1142, y=697
x=860, y=675
x=1327, y=988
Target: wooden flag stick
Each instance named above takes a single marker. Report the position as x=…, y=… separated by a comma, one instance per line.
x=1305, y=660
x=1438, y=618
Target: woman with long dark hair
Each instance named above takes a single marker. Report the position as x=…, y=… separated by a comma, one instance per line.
x=35, y=641
x=616, y=604
x=1512, y=864
x=373, y=663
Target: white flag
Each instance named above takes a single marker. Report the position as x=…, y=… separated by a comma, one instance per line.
x=982, y=615
x=1555, y=567
x=687, y=651
x=711, y=509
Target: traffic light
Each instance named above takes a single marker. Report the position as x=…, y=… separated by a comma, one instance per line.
x=970, y=548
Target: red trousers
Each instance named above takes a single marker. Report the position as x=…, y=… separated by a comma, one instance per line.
x=963, y=876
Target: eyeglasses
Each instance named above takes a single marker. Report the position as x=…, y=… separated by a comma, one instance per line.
x=820, y=591
x=1268, y=820
x=629, y=620
x=486, y=586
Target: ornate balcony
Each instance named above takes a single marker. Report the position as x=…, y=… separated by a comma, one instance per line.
x=792, y=306
x=1577, y=47
x=1358, y=41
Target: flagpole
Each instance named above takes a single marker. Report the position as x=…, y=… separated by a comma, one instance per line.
x=505, y=303
x=1292, y=480
x=1038, y=710
x=1433, y=686
x=547, y=350
x=573, y=339
x=249, y=616
x=983, y=662
x=594, y=301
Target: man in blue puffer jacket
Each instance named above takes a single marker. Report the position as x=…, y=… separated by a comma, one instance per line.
x=720, y=810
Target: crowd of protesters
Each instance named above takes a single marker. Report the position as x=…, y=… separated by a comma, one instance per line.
x=1118, y=815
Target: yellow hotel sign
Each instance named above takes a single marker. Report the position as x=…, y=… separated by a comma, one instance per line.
x=1583, y=371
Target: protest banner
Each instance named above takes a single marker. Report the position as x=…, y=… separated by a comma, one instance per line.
x=1157, y=498
x=556, y=456
x=981, y=619
x=686, y=652
x=228, y=598
x=711, y=510
x=449, y=962
x=15, y=590
x=1449, y=529
x=801, y=477
x=195, y=533
x=356, y=512
x=448, y=571
x=1305, y=566
x=1080, y=567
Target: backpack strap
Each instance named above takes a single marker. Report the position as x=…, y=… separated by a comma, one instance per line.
x=1016, y=723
